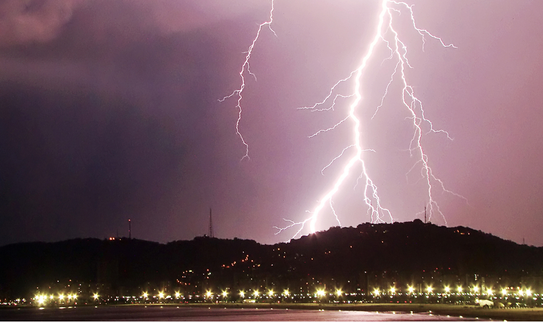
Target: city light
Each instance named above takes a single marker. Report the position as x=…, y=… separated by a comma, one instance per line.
x=320, y=295
x=40, y=299
x=320, y=292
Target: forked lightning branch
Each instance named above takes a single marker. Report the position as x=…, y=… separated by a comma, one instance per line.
x=385, y=33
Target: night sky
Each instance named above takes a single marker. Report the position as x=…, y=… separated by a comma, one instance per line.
x=109, y=110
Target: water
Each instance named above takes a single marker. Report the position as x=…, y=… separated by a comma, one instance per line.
x=174, y=313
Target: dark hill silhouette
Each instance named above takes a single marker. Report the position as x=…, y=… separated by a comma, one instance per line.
x=354, y=258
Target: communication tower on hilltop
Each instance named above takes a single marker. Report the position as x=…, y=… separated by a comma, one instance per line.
x=211, y=224
x=425, y=214
x=129, y=229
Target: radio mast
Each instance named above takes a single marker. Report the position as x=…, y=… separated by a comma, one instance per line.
x=211, y=224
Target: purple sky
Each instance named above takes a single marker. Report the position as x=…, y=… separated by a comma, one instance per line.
x=109, y=111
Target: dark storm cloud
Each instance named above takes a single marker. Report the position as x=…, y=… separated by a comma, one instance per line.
x=27, y=21
x=23, y=21
x=105, y=113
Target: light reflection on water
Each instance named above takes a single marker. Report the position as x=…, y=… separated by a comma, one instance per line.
x=176, y=313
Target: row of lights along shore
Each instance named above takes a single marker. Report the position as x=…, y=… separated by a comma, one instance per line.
x=43, y=299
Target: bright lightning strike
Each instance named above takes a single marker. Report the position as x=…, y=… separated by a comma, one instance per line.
x=246, y=69
x=385, y=35
x=377, y=212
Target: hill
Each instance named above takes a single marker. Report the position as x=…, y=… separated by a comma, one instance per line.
x=357, y=259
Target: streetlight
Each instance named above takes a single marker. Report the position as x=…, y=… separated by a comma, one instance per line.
x=528, y=299
x=429, y=289
x=447, y=289
x=376, y=292
x=224, y=293
x=286, y=292
x=392, y=290
x=411, y=289
x=39, y=299
x=96, y=296
x=270, y=293
x=241, y=294
x=339, y=292
x=177, y=294
x=320, y=292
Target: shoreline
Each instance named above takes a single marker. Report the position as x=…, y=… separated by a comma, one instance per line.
x=462, y=311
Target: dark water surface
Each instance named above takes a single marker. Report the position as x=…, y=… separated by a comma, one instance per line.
x=181, y=313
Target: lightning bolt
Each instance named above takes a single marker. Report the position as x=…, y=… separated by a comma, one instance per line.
x=385, y=35
x=246, y=69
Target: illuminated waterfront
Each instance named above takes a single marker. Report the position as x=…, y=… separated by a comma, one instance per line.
x=270, y=305
x=503, y=297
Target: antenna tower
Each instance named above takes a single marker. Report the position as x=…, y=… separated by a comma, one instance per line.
x=425, y=214
x=211, y=224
